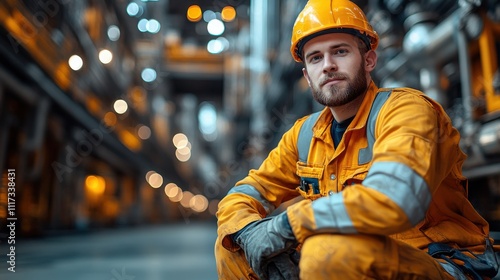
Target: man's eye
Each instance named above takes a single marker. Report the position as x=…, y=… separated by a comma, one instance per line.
x=315, y=58
x=341, y=51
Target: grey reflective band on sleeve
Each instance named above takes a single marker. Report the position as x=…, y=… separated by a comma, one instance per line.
x=330, y=214
x=251, y=191
x=403, y=186
x=366, y=154
x=305, y=136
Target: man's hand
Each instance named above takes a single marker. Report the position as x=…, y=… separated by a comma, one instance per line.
x=264, y=239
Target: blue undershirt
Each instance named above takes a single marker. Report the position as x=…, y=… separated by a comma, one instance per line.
x=338, y=129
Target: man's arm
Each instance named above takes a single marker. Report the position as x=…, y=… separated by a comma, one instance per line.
x=408, y=165
x=263, y=190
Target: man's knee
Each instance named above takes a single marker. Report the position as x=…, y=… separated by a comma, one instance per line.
x=365, y=256
x=330, y=254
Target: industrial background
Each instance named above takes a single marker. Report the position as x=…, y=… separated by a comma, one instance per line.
x=131, y=115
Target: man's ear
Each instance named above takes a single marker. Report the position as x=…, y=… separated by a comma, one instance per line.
x=370, y=60
x=306, y=75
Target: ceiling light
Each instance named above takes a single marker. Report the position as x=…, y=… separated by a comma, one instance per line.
x=142, y=25
x=228, y=13
x=114, y=33
x=148, y=75
x=155, y=180
x=144, y=132
x=215, y=46
x=215, y=27
x=180, y=140
x=133, y=9
x=153, y=26
x=193, y=13
x=120, y=106
x=105, y=56
x=208, y=15
x=75, y=62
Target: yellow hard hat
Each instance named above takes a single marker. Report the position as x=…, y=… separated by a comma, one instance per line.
x=322, y=16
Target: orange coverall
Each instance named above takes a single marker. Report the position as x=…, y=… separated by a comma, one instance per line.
x=370, y=220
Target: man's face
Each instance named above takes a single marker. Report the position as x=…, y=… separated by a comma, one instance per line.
x=335, y=69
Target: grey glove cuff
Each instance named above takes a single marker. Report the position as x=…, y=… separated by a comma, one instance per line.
x=285, y=228
x=265, y=239
x=281, y=225
x=235, y=235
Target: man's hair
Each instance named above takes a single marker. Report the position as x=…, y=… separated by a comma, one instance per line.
x=362, y=47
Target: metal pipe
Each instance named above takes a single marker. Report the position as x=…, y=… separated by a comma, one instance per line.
x=34, y=143
x=465, y=78
x=40, y=121
x=436, y=50
x=70, y=107
x=258, y=67
x=489, y=138
x=26, y=93
x=84, y=118
x=483, y=144
x=482, y=171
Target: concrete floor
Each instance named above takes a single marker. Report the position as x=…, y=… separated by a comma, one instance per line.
x=180, y=251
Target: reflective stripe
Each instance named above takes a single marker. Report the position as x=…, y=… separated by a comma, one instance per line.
x=366, y=154
x=253, y=192
x=403, y=186
x=305, y=136
x=330, y=213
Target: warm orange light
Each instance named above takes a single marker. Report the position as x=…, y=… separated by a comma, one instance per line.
x=198, y=203
x=93, y=105
x=180, y=140
x=155, y=180
x=194, y=13
x=138, y=94
x=109, y=119
x=186, y=197
x=228, y=13
x=172, y=190
x=95, y=184
x=130, y=140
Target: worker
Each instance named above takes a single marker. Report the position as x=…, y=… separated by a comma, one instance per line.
x=379, y=170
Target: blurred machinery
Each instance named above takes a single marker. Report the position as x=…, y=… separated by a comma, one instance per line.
x=450, y=50
x=93, y=105
x=122, y=112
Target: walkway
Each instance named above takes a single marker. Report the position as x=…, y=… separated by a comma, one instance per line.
x=177, y=252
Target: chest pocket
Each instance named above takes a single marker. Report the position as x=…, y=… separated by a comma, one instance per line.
x=310, y=175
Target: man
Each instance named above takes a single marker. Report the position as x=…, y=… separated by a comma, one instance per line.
x=380, y=173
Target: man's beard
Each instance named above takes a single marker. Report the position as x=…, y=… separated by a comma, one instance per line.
x=335, y=96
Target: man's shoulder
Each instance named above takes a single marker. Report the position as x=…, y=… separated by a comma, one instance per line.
x=407, y=98
x=402, y=91
x=403, y=95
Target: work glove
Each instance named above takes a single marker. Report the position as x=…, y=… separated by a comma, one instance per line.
x=267, y=238
x=284, y=266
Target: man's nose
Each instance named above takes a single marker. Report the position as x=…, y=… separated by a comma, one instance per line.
x=329, y=64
